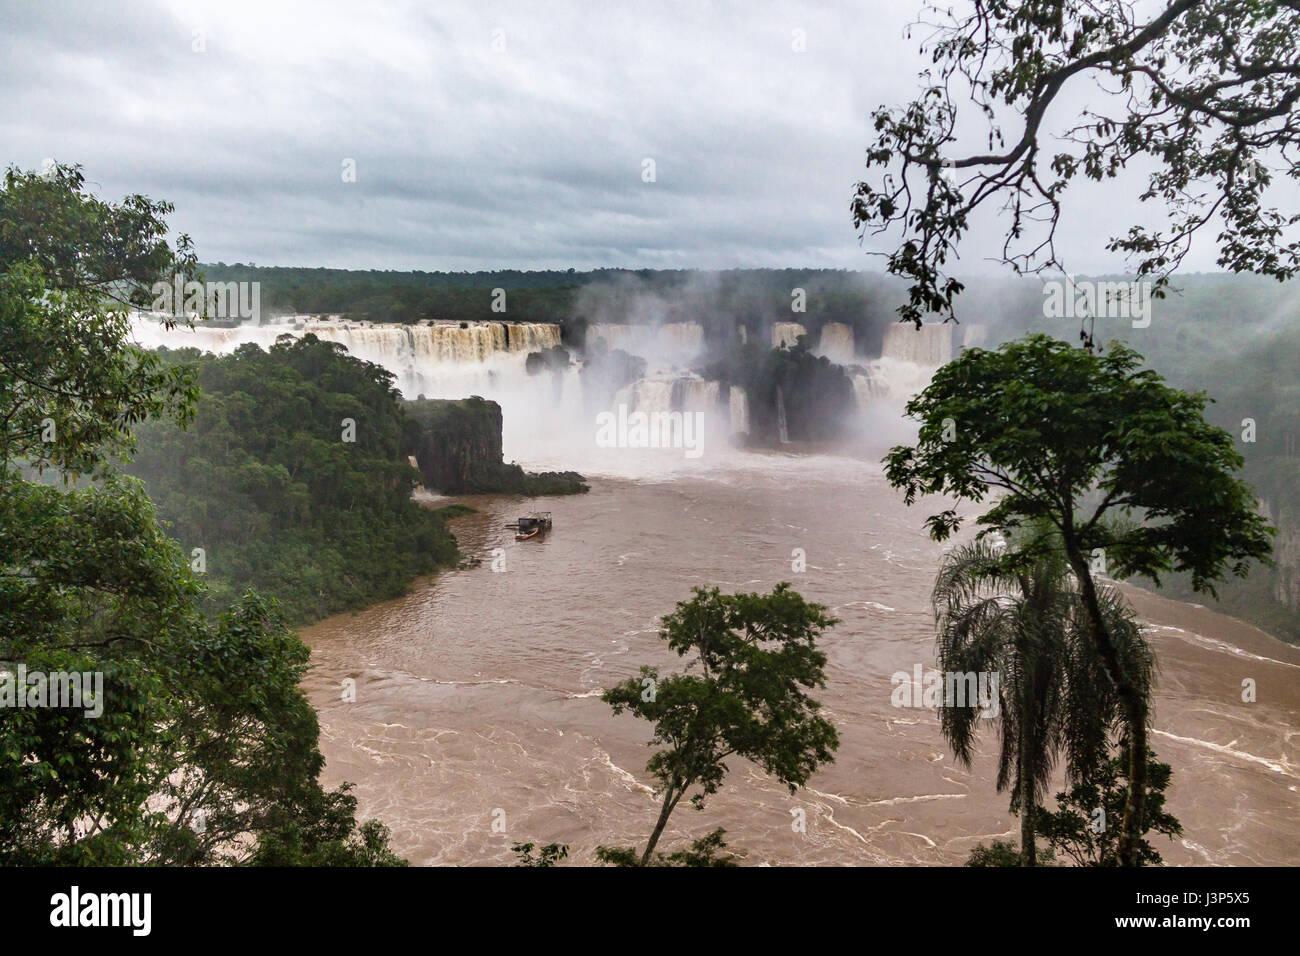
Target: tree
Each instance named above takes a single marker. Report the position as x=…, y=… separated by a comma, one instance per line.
x=998, y=853
x=1202, y=92
x=196, y=742
x=549, y=855
x=709, y=850
x=261, y=480
x=755, y=654
x=1125, y=468
x=1078, y=831
x=1026, y=624
x=71, y=388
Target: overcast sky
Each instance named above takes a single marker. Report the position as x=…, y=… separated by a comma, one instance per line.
x=484, y=135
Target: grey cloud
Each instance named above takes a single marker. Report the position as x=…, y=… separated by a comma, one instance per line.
x=466, y=157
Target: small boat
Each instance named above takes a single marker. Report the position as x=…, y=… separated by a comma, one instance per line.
x=530, y=526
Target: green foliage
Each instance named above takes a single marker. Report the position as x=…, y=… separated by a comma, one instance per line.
x=1070, y=829
x=755, y=654
x=263, y=481
x=708, y=850
x=1029, y=626
x=322, y=831
x=70, y=386
x=1198, y=93
x=1122, y=467
x=1000, y=853
x=1047, y=425
x=457, y=445
x=550, y=855
x=200, y=747
x=206, y=744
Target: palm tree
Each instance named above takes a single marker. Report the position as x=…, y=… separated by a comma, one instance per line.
x=1027, y=623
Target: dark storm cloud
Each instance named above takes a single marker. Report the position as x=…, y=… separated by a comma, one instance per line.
x=468, y=155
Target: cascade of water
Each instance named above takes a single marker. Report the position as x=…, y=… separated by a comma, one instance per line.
x=680, y=341
x=836, y=342
x=398, y=348
x=646, y=396
x=786, y=334
x=974, y=335
x=699, y=396
x=738, y=405
x=782, y=430
x=929, y=345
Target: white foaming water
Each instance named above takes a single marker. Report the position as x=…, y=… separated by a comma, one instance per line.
x=433, y=359
x=837, y=343
x=396, y=347
x=929, y=345
x=738, y=409
x=548, y=424
x=786, y=334
x=675, y=341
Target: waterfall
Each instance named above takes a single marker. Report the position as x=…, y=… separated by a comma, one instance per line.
x=435, y=359
x=889, y=380
x=681, y=341
x=671, y=395
x=738, y=405
x=698, y=396
x=786, y=334
x=782, y=430
x=685, y=339
x=866, y=388
x=974, y=335
x=837, y=343
x=929, y=345
x=646, y=396
x=398, y=348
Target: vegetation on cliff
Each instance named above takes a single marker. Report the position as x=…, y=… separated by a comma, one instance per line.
x=457, y=445
x=816, y=393
x=292, y=480
x=194, y=743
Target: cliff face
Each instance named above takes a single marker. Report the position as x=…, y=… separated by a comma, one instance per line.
x=455, y=443
x=457, y=447
x=1286, y=552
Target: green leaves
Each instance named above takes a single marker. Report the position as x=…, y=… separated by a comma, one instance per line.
x=1051, y=428
x=205, y=747
x=756, y=656
x=262, y=481
x=1200, y=92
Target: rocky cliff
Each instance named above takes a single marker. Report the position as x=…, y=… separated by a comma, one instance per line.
x=457, y=447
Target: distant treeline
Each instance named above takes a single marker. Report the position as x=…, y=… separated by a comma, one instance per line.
x=720, y=301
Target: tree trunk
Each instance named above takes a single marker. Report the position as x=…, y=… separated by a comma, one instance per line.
x=1028, y=852
x=664, y=811
x=1134, y=707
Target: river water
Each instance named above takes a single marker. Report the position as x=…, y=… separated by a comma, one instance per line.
x=477, y=721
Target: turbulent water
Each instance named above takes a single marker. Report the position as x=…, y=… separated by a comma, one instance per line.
x=477, y=695
x=477, y=720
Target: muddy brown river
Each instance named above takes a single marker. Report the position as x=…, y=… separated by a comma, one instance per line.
x=477, y=721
